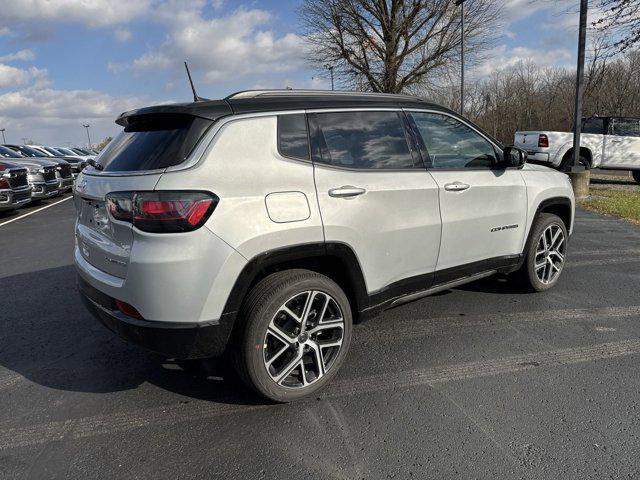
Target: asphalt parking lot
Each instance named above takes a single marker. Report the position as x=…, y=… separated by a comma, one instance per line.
x=477, y=382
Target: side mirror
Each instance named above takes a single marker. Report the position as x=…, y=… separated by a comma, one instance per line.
x=513, y=157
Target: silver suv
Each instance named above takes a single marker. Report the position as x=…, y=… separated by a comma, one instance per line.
x=263, y=225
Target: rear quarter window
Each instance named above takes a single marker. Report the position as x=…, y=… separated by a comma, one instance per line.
x=153, y=142
x=293, y=138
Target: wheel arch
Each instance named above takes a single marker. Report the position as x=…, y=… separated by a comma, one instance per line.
x=558, y=205
x=584, y=152
x=335, y=260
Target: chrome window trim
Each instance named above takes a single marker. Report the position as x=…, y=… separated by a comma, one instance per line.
x=203, y=147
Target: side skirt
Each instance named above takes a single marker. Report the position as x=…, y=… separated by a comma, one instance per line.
x=440, y=288
x=407, y=291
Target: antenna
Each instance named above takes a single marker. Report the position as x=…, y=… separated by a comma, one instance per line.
x=196, y=98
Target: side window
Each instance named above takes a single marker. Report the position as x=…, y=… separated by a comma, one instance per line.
x=368, y=140
x=452, y=144
x=626, y=127
x=293, y=140
x=593, y=125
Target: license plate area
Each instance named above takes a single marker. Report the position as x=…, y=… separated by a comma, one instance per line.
x=103, y=243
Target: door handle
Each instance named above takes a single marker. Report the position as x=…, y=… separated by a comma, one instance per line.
x=346, y=191
x=456, y=186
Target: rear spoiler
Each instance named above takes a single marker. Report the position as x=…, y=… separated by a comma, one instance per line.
x=209, y=110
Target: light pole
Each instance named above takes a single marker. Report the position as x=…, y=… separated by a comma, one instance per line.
x=577, y=120
x=578, y=173
x=4, y=140
x=330, y=68
x=461, y=4
x=86, y=125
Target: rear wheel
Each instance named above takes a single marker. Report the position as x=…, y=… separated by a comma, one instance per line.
x=567, y=162
x=636, y=176
x=296, y=334
x=545, y=253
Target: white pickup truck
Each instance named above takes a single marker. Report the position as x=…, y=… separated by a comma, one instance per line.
x=606, y=142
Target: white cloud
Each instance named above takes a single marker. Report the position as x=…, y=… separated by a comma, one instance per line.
x=504, y=57
x=224, y=47
x=11, y=76
x=24, y=55
x=4, y=31
x=94, y=13
x=54, y=116
x=515, y=10
x=122, y=35
x=15, y=77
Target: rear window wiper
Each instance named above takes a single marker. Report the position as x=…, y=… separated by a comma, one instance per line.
x=95, y=164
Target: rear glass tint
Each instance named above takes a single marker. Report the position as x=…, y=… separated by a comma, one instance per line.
x=152, y=143
x=293, y=140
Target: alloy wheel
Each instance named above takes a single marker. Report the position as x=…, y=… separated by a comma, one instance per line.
x=303, y=339
x=550, y=254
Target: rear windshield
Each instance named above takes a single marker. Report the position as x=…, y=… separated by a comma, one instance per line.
x=153, y=143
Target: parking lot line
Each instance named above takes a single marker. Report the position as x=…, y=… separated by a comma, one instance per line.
x=34, y=211
x=83, y=427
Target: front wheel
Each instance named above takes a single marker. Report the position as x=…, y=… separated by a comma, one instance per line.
x=296, y=335
x=636, y=176
x=545, y=253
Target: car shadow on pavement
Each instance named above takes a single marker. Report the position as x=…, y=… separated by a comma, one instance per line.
x=49, y=338
x=500, y=284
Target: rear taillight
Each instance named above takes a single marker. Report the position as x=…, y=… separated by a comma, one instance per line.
x=543, y=141
x=164, y=211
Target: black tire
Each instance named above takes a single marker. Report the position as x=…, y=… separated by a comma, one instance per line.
x=528, y=274
x=568, y=160
x=636, y=176
x=260, y=307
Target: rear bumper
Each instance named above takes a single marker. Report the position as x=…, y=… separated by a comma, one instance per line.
x=177, y=340
x=538, y=157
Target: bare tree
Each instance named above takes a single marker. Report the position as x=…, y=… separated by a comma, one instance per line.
x=529, y=97
x=395, y=45
x=620, y=21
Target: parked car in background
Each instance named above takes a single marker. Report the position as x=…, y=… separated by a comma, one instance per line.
x=69, y=152
x=263, y=225
x=43, y=150
x=606, y=142
x=77, y=162
x=83, y=152
x=64, y=172
x=41, y=173
x=15, y=190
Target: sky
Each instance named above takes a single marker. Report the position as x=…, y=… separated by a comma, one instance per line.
x=68, y=62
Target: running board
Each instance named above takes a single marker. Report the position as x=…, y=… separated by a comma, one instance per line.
x=439, y=288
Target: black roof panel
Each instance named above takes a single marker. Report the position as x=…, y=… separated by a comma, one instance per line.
x=271, y=101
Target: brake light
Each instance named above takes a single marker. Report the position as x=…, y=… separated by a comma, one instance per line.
x=128, y=310
x=543, y=141
x=163, y=211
